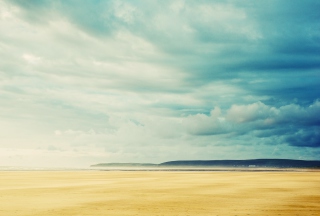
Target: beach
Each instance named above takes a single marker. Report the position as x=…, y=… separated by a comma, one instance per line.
x=32, y=193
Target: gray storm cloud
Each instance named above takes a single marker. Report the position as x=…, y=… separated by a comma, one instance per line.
x=297, y=125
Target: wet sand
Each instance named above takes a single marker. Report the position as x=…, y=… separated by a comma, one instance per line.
x=158, y=193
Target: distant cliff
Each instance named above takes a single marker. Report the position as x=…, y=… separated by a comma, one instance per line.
x=273, y=163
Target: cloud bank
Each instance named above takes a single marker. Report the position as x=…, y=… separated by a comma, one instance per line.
x=149, y=81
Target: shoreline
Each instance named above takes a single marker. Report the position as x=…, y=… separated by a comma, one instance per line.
x=159, y=170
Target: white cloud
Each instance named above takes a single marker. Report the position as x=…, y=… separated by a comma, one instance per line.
x=31, y=59
x=248, y=113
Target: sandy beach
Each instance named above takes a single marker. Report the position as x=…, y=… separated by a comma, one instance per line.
x=158, y=193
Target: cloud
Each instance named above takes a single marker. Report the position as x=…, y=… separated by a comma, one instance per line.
x=305, y=138
x=31, y=59
x=201, y=124
x=292, y=123
x=195, y=79
x=248, y=113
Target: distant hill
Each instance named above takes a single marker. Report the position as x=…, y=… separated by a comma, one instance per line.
x=272, y=163
x=276, y=163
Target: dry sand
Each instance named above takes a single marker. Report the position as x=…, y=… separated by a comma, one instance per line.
x=159, y=193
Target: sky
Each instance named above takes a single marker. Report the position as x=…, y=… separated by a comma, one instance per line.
x=85, y=82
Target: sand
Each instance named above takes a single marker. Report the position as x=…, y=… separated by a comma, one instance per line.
x=95, y=193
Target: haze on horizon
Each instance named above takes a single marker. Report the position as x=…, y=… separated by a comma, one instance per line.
x=85, y=82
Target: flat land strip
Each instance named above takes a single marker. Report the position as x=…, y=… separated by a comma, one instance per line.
x=94, y=193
